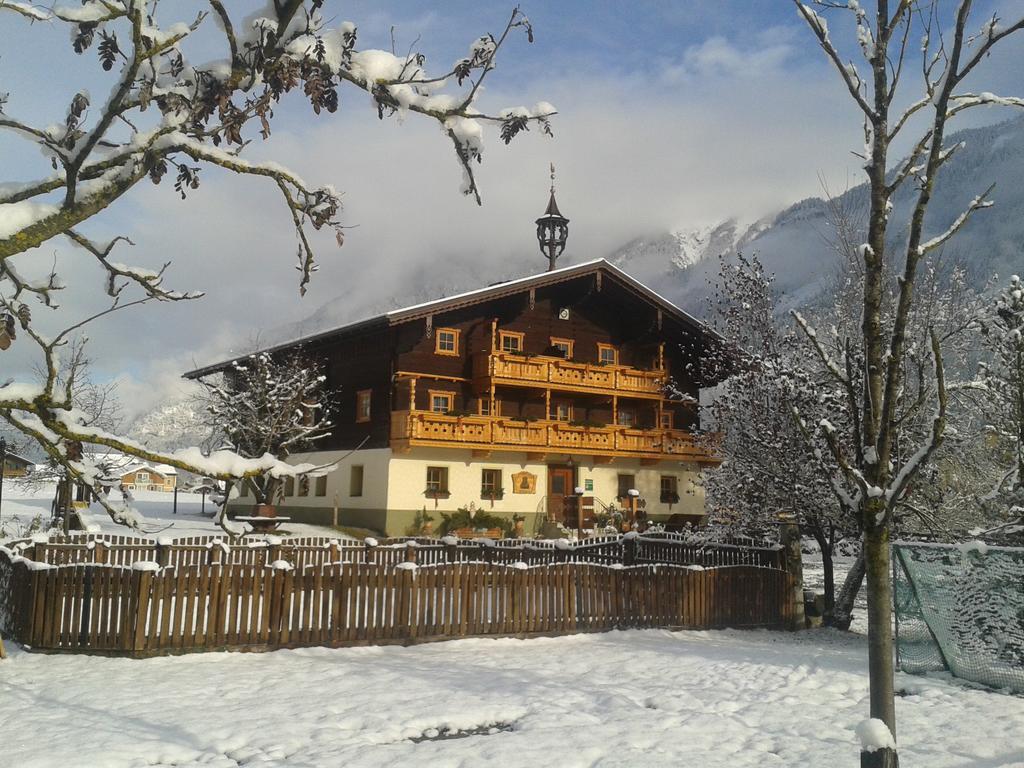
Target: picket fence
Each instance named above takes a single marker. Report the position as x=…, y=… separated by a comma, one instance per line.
x=146, y=608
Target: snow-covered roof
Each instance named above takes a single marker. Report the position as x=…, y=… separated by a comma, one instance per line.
x=18, y=459
x=476, y=296
x=160, y=469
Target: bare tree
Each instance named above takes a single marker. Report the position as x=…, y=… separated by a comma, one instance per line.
x=875, y=475
x=268, y=405
x=165, y=115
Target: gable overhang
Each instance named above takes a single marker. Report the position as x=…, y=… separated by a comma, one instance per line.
x=482, y=295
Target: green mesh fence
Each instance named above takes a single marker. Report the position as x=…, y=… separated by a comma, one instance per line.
x=961, y=608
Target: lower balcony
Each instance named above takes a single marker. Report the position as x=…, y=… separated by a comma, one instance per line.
x=424, y=428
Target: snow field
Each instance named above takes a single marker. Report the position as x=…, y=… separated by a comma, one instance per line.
x=652, y=698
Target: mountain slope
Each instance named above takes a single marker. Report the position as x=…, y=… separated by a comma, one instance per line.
x=797, y=244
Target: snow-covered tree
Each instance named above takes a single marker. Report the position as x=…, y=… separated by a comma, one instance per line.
x=266, y=405
x=1002, y=373
x=166, y=115
x=873, y=478
x=769, y=467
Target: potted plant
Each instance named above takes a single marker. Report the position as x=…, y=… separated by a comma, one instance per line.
x=422, y=524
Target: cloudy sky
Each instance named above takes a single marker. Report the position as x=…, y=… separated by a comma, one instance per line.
x=671, y=115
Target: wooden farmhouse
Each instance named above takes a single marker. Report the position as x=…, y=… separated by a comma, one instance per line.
x=15, y=465
x=510, y=398
x=146, y=477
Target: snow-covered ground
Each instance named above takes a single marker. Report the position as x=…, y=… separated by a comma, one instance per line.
x=21, y=505
x=714, y=699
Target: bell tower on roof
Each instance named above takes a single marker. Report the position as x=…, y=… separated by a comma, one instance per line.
x=552, y=228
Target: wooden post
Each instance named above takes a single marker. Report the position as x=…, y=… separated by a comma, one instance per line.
x=412, y=395
x=143, y=585
x=411, y=551
x=494, y=335
x=335, y=548
x=368, y=553
x=629, y=549
x=615, y=409
x=451, y=551
x=100, y=552
x=789, y=535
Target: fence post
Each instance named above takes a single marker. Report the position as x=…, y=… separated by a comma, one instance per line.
x=451, y=549
x=162, y=554
x=335, y=551
x=629, y=548
x=100, y=551
x=368, y=553
x=792, y=563
x=142, y=584
x=411, y=551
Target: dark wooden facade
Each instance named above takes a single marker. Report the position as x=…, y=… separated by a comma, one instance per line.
x=395, y=357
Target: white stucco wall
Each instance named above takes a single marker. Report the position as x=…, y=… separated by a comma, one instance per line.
x=397, y=481
x=375, y=479
x=408, y=480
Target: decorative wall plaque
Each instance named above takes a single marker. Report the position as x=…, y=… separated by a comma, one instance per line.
x=524, y=482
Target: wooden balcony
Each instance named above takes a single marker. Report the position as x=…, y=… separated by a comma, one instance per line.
x=539, y=371
x=423, y=428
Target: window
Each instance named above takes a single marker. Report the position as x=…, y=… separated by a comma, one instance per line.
x=627, y=417
x=304, y=486
x=447, y=341
x=667, y=420
x=490, y=407
x=669, y=489
x=562, y=346
x=490, y=484
x=363, y=400
x=142, y=477
x=289, y=486
x=511, y=341
x=321, y=486
x=437, y=482
x=607, y=354
x=441, y=402
x=562, y=411
x=355, y=480
x=625, y=483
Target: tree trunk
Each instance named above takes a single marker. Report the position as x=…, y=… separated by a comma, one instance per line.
x=842, y=613
x=880, y=661
x=827, y=547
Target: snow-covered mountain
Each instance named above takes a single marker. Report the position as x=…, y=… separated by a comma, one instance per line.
x=797, y=245
x=170, y=426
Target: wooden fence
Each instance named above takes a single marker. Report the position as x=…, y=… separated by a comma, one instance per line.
x=148, y=609
x=303, y=551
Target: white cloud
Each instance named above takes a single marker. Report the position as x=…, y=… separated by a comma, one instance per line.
x=719, y=57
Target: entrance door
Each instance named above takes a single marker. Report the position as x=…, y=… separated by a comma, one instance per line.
x=560, y=485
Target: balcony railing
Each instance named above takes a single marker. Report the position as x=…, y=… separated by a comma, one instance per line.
x=540, y=370
x=412, y=428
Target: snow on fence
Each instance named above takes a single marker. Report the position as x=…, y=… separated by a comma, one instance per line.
x=148, y=609
x=960, y=608
x=302, y=551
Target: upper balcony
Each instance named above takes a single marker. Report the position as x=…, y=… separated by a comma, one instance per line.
x=424, y=428
x=541, y=371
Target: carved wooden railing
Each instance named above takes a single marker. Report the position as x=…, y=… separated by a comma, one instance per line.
x=424, y=427
x=554, y=371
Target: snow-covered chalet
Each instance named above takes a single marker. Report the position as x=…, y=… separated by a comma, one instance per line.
x=579, y=380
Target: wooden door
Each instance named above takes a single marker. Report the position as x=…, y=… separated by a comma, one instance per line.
x=560, y=485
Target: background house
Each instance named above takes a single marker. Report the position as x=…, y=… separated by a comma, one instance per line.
x=16, y=466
